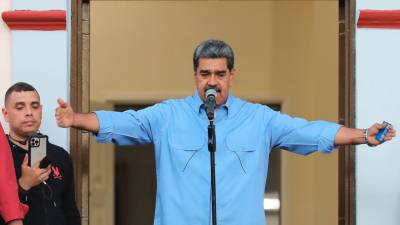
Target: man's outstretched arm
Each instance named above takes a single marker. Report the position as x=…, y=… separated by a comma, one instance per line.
x=352, y=136
x=66, y=117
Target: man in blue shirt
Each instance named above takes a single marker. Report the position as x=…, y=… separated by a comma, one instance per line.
x=246, y=132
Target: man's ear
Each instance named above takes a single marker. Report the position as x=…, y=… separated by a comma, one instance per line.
x=195, y=76
x=41, y=112
x=5, y=114
x=232, y=76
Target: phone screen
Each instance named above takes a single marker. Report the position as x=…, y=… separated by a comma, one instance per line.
x=37, y=148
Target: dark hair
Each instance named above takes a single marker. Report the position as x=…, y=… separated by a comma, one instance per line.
x=212, y=49
x=19, y=87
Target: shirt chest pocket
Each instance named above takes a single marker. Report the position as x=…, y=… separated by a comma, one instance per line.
x=184, y=148
x=245, y=151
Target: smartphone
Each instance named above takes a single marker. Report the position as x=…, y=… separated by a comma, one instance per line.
x=37, y=148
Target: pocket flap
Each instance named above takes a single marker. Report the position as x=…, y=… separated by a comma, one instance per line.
x=186, y=142
x=241, y=143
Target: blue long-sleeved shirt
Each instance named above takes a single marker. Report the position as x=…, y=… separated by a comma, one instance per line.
x=245, y=133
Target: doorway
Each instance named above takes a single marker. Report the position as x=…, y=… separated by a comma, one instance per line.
x=269, y=85
x=135, y=182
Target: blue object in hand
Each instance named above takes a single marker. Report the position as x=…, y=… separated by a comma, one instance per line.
x=382, y=132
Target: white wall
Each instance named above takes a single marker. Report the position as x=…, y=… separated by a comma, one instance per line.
x=5, y=57
x=39, y=5
x=41, y=59
x=377, y=92
x=380, y=4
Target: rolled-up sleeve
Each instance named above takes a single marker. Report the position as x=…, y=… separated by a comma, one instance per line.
x=327, y=137
x=132, y=127
x=105, y=130
x=123, y=128
x=302, y=136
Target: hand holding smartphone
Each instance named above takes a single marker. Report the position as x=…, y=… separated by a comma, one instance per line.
x=37, y=157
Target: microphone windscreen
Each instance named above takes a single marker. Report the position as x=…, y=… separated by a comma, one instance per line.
x=211, y=92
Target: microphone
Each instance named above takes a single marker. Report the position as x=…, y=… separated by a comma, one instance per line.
x=210, y=103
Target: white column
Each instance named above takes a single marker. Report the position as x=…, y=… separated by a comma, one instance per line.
x=377, y=92
x=5, y=57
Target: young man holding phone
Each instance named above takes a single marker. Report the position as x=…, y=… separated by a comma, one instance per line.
x=48, y=190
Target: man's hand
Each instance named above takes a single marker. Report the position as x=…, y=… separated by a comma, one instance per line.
x=347, y=136
x=373, y=131
x=32, y=176
x=66, y=117
x=64, y=114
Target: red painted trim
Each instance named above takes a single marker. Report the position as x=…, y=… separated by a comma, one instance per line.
x=35, y=20
x=389, y=19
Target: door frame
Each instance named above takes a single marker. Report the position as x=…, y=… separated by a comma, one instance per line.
x=347, y=191
x=79, y=98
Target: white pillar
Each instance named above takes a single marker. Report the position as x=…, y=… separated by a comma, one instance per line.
x=5, y=57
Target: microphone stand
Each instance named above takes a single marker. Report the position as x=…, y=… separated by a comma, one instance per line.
x=211, y=94
x=212, y=149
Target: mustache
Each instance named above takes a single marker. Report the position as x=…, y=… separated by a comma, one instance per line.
x=213, y=87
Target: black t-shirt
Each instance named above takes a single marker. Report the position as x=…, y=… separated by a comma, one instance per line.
x=54, y=203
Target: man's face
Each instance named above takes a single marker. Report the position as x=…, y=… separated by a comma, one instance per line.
x=214, y=73
x=23, y=112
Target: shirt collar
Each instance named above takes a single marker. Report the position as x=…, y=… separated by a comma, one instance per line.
x=198, y=104
x=17, y=148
